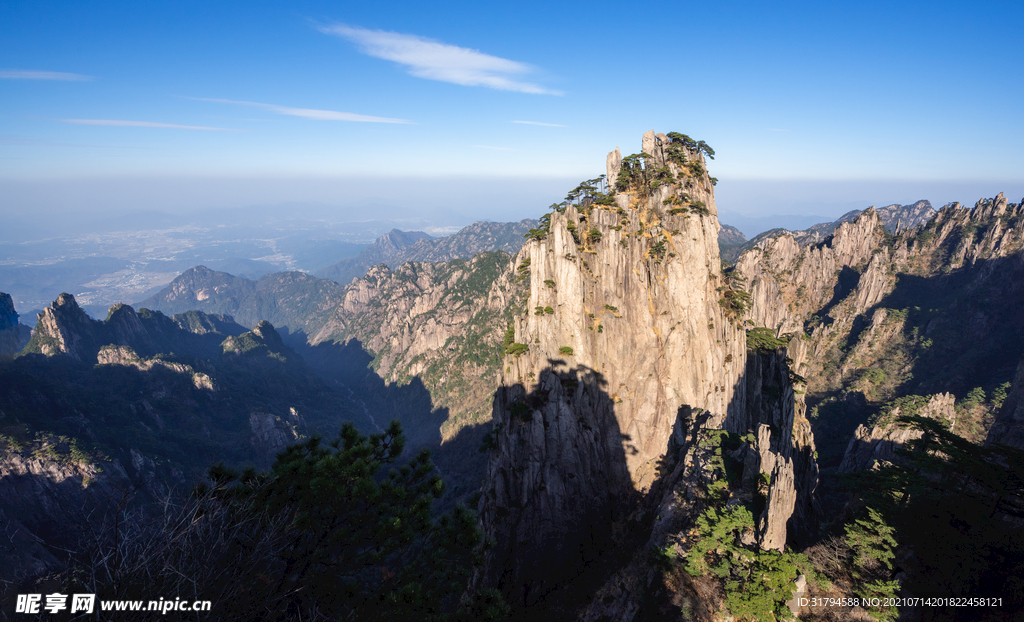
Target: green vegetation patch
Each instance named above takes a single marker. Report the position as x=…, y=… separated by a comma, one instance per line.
x=761, y=339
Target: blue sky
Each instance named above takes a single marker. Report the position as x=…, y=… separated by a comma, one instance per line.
x=891, y=101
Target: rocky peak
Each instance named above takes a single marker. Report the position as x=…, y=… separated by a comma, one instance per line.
x=993, y=228
x=202, y=289
x=396, y=239
x=902, y=217
x=613, y=164
x=788, y=283
x=623, y=332
x=64, y=328
x=261, y=341
x=268, y=334
x=124, y=326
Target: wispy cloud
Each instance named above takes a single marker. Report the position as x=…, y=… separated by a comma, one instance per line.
x=21, y=141
x=169, y=126
x=309, y=113
x=434, y=60
x=539, y=123
x=22, y=74
x=494, y=148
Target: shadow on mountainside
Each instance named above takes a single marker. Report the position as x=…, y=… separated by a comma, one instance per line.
x=960, y=330
x=347, y=366
x=558, y=493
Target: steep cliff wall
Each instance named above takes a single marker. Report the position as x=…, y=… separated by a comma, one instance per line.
x=875, y=316
x=629, y=334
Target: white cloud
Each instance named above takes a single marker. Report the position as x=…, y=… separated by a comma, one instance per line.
x=494, y=148
x=171, y=126
x=434, y=60
x=309, y=113
x=22, y=74
x=539, y=123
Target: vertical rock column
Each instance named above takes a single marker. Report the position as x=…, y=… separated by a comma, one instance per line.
x=622, y=330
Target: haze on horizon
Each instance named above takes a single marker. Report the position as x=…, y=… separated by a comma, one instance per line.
x=452, y=115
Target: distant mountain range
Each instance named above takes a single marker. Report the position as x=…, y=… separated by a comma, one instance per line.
x=398, y=247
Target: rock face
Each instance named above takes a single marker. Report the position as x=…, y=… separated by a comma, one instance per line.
x=64, y=328
x=788, y=283
x=13, y=336
x=880, y=442
x=895, y=219
x=271, y=434
x=627, y=335
x=783, y=451
x=35, y=494
x=442, y=323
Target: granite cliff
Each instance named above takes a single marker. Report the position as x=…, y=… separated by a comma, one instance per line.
x=440, y=323
x=875, y=315
x=631, y=352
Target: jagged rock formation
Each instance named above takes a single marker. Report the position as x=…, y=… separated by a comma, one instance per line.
x=405, y=317
x=13, y=335
x=476, y=238
x=776, y=460
x=272, y=433
x=895, y=218
x=877, y=316
x=123, y=355
x=398, y=247
x=629, y=333
x=782, y=450
x=65, y=329
x=880, y=442
x=788, y=283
